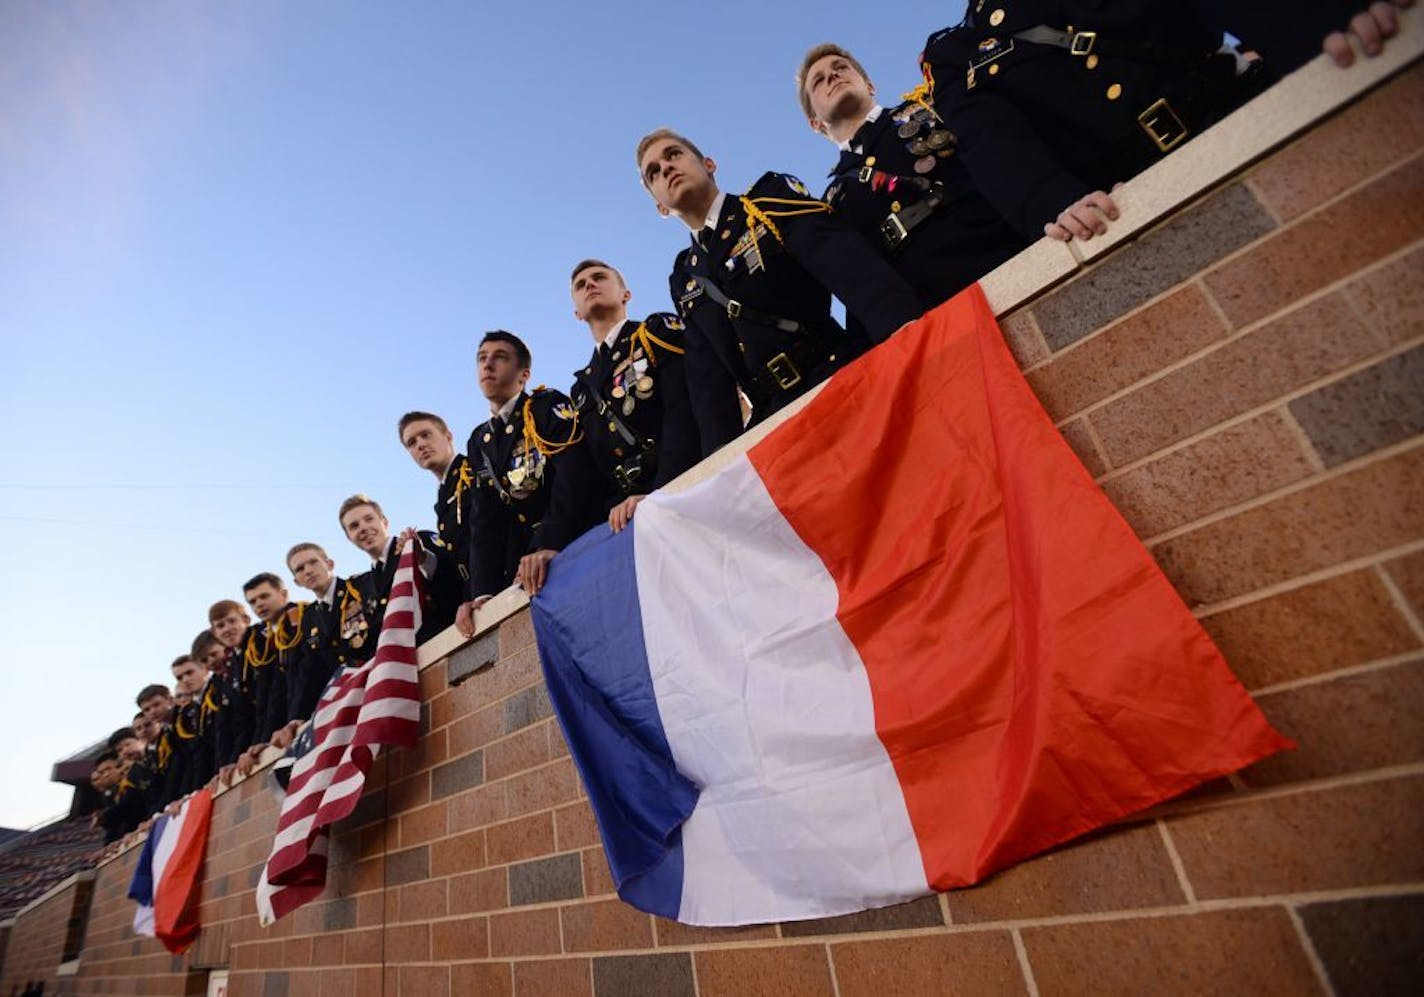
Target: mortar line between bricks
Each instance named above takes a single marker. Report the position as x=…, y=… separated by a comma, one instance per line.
x=1311, y=956
x=1378, y=665
x=1248, y=180
x=1253, y=795
x=1280, y=401
x=1309, y=578
x=1356, y=187
x=1266, y=498
x=831, y=968
x=696, y=984
x=1176, y=860
x=1232, y=334
x=1307, y=445
x=1401, y=602
x=1025, y=967
x=1097, y=444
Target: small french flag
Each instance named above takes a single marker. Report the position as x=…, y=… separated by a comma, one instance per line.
x=167, y=881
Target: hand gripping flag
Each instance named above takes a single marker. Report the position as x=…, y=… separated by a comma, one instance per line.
x=901, y=643
x=362, y=709
x=167, y=880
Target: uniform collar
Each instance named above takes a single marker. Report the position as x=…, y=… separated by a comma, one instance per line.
x=329, y=596
x=874, y=115
x=507, y=409
x=714, y=214
x=613, y=334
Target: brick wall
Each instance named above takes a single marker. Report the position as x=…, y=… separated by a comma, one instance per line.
x=1245, y=377
x=35, y=946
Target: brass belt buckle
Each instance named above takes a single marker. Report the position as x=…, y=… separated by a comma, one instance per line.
x=1082, y=43
x=785, y=372
x=734, y=309
x=1163, y=126
x=893, y=230
x=866, y=172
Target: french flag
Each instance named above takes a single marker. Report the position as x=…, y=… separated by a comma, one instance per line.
x=901, y=643
x=167, y=881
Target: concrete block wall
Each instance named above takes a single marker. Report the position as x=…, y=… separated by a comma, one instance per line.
x=1244, y=375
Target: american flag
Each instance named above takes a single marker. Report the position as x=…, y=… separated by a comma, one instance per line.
x=374, y=704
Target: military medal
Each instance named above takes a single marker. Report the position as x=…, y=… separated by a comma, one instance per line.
x=628, y=404
x=618, y=391
x=920, y=147
x=908, y=130
x=939, y=139
x=924, y=164
x=643, y=386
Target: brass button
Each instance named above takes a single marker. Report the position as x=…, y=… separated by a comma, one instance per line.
x=1091, y=62
x=994, y=69
x=997, y=17
x=869, y=160
x=1115, y=91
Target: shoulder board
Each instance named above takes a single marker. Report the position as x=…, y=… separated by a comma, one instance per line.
x=780, y=183
x=667, y=320
x=294, y=612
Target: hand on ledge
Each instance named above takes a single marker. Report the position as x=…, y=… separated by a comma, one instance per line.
x=533, y=571
x=622, y=513
x=465, y=615
x=284, y=737
x=247, y=761
x=1370, y=27
x=1085, y=217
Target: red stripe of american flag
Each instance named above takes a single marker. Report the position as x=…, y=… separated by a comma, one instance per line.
x=365, y=709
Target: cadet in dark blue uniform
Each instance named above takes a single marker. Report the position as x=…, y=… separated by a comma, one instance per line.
x=899, y=180
x=366, y=526
x=428, y=440
x=1053, y=102
x=337, y=630
x=535, y=486
x=632, y=397
x=754, y=287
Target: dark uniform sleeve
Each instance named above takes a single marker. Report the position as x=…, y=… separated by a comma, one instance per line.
x=443, y=591
x=486, y=536
x=574, y=498
x=838, y=256
x=711, y=386
x=679, y=446
x=1287, y=33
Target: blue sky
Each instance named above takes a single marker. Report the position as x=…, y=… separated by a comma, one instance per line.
x=237, y=241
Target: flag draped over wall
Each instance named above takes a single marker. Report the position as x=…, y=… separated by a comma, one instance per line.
x=903, y=642
x=363, y=708
x=166, y=882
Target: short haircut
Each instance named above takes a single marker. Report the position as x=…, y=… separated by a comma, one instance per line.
x=150, y=691
x=814, y=56
x=658, y=134
x=119, y=736
x=179, y=660
x=521, y=352
x=107, y=756
x=305, y=545
x=410, y=417
x=202, y=642
x=260, y=579
x=354, y=502
x=225, y=607
x=589, y=264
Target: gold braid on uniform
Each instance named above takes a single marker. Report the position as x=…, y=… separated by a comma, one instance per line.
x=642, y=337
x=207, y=706
x=164, y=752
x=923, y=94
x=547, y=447
x=756, y=213
x=178, y=728
x=251, y=656
x=284, y=641
x=463, y=481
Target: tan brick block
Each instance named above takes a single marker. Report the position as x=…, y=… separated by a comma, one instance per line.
x=1119, y=869
x=1367, y=225
x=424, y=824
x=428, y=981
x=974, y=963
x=1391, y=298
x=408, y=794
x=423, y=901
x=1353, y=723
x=605, y=925
x=1408, y=574
x=487, y=889
x=526, y=932
x=487, y=979
x=478, y=807
x=517, y=753
x=1378, y=132
x=671, y=934
x=780, y=971
x=509, y=674
x=1342, y=621
x=461, y=938
x=516, y=633
x=542, y=788
x=1346, y=836
x=459, y=853
x=407, y=943
x=575, y=827
x=476, y=728
x=1127, y=351
x=1372, y=508
x=524, y=838
x=1024, y=340
x=327, y=950
x=1224, y=952
x=1289, y=352
x=558, y=747
x=597, y=879
x=1234, y=465
x=565, y=977
x=1080, y=438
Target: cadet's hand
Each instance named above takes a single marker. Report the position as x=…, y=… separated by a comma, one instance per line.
x=622, y=513
x=1083, y=218
x=533, y=570
x=465, y=615
x=247, y=761
x=225, y=774
x=1370, y=26
x=283, y=738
